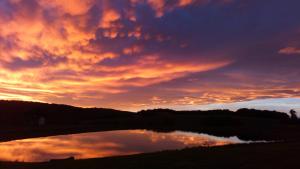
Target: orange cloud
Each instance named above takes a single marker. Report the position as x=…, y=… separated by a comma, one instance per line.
x=93, y=52
x=289, y=50
x=76, y=7
x=185, y=2
x=109, y=16
x=34, y=38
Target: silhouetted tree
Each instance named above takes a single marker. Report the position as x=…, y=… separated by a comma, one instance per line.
x=293, y=114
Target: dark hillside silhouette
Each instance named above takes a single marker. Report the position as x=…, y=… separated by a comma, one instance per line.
x=27, y=113
x=221, y=112
x=31, y=119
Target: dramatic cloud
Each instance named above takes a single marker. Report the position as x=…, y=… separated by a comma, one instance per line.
x=133, y=54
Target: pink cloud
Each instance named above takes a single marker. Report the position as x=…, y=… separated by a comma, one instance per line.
x=289, y=50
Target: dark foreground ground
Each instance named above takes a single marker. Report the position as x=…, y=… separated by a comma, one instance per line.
x=254, y=156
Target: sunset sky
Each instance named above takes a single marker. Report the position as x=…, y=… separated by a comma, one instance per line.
x=137, y=54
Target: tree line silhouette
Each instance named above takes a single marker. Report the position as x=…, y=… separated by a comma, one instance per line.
x=36, y=119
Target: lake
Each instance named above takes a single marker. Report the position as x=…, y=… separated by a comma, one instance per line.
x=104, y=144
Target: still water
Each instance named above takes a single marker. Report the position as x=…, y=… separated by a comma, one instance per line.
x=104, y=144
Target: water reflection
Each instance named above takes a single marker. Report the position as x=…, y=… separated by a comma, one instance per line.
x=103, y=144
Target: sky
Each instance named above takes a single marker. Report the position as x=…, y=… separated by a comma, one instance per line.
x=139, y=54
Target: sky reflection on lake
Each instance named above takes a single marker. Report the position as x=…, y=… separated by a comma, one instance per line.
x=104, y=144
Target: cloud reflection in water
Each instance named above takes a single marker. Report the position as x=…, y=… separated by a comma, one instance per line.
x=103, y=144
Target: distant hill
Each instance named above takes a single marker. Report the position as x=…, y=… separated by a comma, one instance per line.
x=24, y=113
x=20, y=119
x=241, y=112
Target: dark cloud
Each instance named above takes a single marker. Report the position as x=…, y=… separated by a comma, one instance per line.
x=40, y=58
